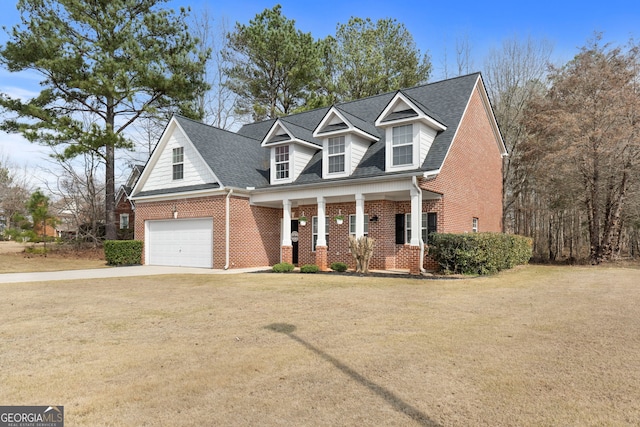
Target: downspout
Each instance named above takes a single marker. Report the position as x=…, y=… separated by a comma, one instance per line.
x=414, y=181
x=227, y=230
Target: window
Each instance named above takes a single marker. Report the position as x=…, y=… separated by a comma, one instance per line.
x=282, y=162
x=352, y=225
x=429, y=224
x=402, y=145
x=474, y=227
x=178, y=165
x=124, y=221
x=314, y=230
x=336, y=154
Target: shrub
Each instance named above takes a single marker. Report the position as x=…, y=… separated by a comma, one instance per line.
x=283, y=267
x=123, y=252
x=479, y=253
x=339, y=266
x=309, y=268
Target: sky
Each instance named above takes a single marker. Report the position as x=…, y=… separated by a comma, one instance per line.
x=435, y=26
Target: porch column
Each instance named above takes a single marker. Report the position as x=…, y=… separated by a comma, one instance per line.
x=321, y=243
x=359, y=215
x=286, y=250
x=416, y=231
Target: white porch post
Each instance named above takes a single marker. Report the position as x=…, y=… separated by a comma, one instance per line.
x=286, y=222
x=359, y=215
x=416, y=217
x=322, y=222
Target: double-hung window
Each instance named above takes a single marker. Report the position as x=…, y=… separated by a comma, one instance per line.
x=178, y=163
x=124, y=220
x=428, y=225
x=352, y=225
x=474, y=225
x=336, y=154
x=402, y=145
x=314, y=230
x=282, y=162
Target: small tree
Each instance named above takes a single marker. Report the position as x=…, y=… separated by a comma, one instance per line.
x=38, y=207
x=362, y=251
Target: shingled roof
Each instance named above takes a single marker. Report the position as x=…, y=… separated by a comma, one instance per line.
x=239, y=161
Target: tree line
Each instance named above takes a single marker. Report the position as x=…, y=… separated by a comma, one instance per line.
x=570, y=180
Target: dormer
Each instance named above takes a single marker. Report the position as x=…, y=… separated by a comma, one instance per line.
x=409, y=132
x=345, y=140
x=291, y=148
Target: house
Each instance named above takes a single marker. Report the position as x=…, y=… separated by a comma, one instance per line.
x=428, y=158
x=125, y=208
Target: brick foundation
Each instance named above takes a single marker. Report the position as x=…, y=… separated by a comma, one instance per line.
x=287, y=254
x=414, y=259
x=321, y=258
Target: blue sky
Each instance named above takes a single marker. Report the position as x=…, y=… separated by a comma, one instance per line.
x=435, y=25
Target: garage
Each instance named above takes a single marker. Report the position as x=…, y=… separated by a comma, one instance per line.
x=180, y=242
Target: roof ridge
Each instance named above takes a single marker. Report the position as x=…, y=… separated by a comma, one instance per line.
x=213, y=127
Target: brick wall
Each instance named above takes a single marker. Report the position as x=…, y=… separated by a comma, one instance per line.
x=124, y=206
x=254, y=231
x=471, y=177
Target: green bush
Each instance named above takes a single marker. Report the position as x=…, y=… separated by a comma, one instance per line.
x=123, y=252
x=309, y=268
x=283, y=267
x=479, y=253
x=339, y=266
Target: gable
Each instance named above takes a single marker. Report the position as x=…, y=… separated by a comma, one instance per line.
x=158, y=173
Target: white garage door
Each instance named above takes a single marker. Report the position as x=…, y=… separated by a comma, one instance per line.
x=180, y=242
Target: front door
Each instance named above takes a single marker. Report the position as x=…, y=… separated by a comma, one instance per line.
x=294, y=241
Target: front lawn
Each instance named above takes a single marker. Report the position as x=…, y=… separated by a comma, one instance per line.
x=532, y=346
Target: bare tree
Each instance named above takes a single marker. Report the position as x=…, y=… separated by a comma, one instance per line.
x=587, y=132
x=15, y=188
x=514, y=74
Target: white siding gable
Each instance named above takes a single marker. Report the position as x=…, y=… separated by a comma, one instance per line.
x=359, y=147
x=196, y=171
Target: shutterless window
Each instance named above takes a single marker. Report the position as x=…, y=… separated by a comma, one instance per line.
x=352, y=225
x=314, y=230
x=124, y=221
x=475, y=225
x=282, y=162
x=178, y=163
x=336, y=154
x=402, y=145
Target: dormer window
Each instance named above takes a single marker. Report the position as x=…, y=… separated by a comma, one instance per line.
x=336, y=154
x=402, y=145
x=178, y=163
x=282, y=162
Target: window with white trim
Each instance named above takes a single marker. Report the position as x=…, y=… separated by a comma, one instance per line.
x=336, y=154
x=474, y=225
x=429, y=224
x=178, y=163
x=124, y=220
x=402, y=145
x=282, y=162
x=352, y=225
x=314, y=231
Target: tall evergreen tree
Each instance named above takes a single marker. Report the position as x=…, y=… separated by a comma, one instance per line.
x=376, y=57
x=103, y=65
x=273, y=65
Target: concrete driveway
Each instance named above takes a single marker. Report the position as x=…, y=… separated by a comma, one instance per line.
x=105, y=273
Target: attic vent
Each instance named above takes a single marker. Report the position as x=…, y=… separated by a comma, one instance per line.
x=334, y=127
x=398, y=115
x=280, y=138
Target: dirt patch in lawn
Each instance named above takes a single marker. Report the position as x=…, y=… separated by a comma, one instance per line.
x=536, y=346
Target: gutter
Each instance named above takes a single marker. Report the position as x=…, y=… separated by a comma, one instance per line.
x=227, y=230
x=414, y=182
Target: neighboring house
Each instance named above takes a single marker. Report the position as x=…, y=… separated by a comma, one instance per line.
x=423, y=159
x=125, y=207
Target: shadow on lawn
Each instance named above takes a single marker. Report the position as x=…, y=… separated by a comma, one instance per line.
x=396, y=402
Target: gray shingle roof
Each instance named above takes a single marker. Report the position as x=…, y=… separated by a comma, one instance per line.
x=239, y=161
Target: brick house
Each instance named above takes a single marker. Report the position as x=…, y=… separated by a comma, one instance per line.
x=125, y=207
x=427, y=158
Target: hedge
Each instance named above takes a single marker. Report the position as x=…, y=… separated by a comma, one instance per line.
x=283, y=267
x=123, y=252
x=339, y=266
x=479, y=253
x=309, y=268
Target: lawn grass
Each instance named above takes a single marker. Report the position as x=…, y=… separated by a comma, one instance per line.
x=16, y=258
x=532, y=346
